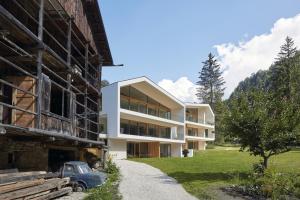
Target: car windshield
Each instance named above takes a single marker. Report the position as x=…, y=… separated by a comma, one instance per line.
x=83, y=169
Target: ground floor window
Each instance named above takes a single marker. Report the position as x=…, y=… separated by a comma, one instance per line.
x=193, y=145
x=142, y=149
x=165, y=150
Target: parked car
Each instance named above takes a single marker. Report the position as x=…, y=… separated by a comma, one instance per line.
x=82, y=176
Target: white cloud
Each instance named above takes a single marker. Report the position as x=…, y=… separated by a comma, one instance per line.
x=183, y=89
x=241, y=60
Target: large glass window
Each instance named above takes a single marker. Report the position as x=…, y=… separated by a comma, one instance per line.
x=190, y=145
x=133, y=99
x=134, y=128
x=124, y=126
x=165, y=132
x=152, y=130
x=125, y=103
x=206, y=133
x=192, y=114
x=143, y=129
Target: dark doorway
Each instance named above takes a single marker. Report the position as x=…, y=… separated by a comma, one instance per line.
x=56, y=158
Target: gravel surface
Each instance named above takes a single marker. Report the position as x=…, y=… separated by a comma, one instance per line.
x=140, y=181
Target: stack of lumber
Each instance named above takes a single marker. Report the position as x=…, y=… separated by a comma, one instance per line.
x=36, y=185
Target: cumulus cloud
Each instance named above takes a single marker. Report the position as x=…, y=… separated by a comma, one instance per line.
x=183, y=89
x=246, y=57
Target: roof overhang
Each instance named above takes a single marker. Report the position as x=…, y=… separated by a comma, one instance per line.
x=96, y=23
x=147, y=86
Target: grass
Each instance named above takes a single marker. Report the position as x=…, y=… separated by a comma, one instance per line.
x=210, y=169
x=110, y=189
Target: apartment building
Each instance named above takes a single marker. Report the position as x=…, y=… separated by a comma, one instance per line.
x=199, y=126
x=141, y=119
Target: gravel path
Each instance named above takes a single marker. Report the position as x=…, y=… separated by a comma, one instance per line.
x=140, y=181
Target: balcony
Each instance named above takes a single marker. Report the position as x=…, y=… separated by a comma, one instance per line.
x=199, y=121
x=193, y=134
x=149, y=130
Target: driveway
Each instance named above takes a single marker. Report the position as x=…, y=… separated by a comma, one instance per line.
x=140, y=181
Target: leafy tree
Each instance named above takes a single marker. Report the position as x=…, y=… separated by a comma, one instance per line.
x=104, y=83
x=263, y=126
x=264, y=109
x=211, y=83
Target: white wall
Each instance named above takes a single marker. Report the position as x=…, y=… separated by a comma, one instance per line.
x=176, y=150
x=117, y=149
x=110, y=106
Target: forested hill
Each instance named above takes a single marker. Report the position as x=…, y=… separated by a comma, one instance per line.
x=261, y=79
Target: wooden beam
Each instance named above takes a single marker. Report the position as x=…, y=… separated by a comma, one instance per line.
x=39, y=66
x=48, y=185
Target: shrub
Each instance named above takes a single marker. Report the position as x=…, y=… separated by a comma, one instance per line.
x=268, y=183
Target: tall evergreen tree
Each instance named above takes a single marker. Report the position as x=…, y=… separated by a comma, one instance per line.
x=282, y=70
x=211, y=83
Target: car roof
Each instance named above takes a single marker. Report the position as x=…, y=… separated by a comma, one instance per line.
x=76, y=163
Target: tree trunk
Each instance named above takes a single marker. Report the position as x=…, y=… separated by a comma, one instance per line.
x=266, y=159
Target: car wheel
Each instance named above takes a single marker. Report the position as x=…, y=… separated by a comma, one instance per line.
x=80, y=187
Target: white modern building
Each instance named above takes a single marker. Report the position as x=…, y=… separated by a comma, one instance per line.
x=141, y=119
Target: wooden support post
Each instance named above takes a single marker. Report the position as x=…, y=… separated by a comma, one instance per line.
x=69, y=76
x=86, y=66
x=99, y=101
x=39, y=66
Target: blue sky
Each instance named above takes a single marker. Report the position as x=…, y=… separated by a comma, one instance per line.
x=168, y=39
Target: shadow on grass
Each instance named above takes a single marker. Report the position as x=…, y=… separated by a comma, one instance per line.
x=183, y=177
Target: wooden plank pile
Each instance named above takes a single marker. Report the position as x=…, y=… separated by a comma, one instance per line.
x=36, y=185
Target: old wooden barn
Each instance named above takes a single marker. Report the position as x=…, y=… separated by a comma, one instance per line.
x=51, y=56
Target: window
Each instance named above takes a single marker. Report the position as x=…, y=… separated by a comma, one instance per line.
x=124, y=126
x=206, y=133
x=84, y=169
x=152, y=130
x=69, y=169
x=133, y=128
x=190, y=145
x=142, y=129
x=134, y=106
x=124, y=103
x=152, y=111
x=165, y=132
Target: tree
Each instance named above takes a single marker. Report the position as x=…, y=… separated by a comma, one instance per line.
x=265, y=116
x=211, y=82
x=282, y=70
x=264, y=126
x=104, y=83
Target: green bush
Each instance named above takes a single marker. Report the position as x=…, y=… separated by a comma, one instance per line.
x=269, y=183
x=109, y=190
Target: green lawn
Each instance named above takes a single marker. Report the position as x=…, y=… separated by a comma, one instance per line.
x=210, y=169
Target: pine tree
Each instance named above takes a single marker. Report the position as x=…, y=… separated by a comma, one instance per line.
x=211, y=82
x=287, y=50
x=282, y=70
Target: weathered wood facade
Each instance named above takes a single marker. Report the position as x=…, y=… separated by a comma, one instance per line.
x=51, y=56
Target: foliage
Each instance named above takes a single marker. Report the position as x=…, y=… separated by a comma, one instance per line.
x=211, y=90
x=111, y=167
x=104, y=83
x=211, y=82
x=266, y=119
x=210, y=169
x=109, y=190
x=271, y=184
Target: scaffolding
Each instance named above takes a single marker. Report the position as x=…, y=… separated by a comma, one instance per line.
x=50, y=76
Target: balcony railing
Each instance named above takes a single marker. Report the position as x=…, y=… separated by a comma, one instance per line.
x=152, y=133
x=200, y=121
x=141, y=108
x=203, y=135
